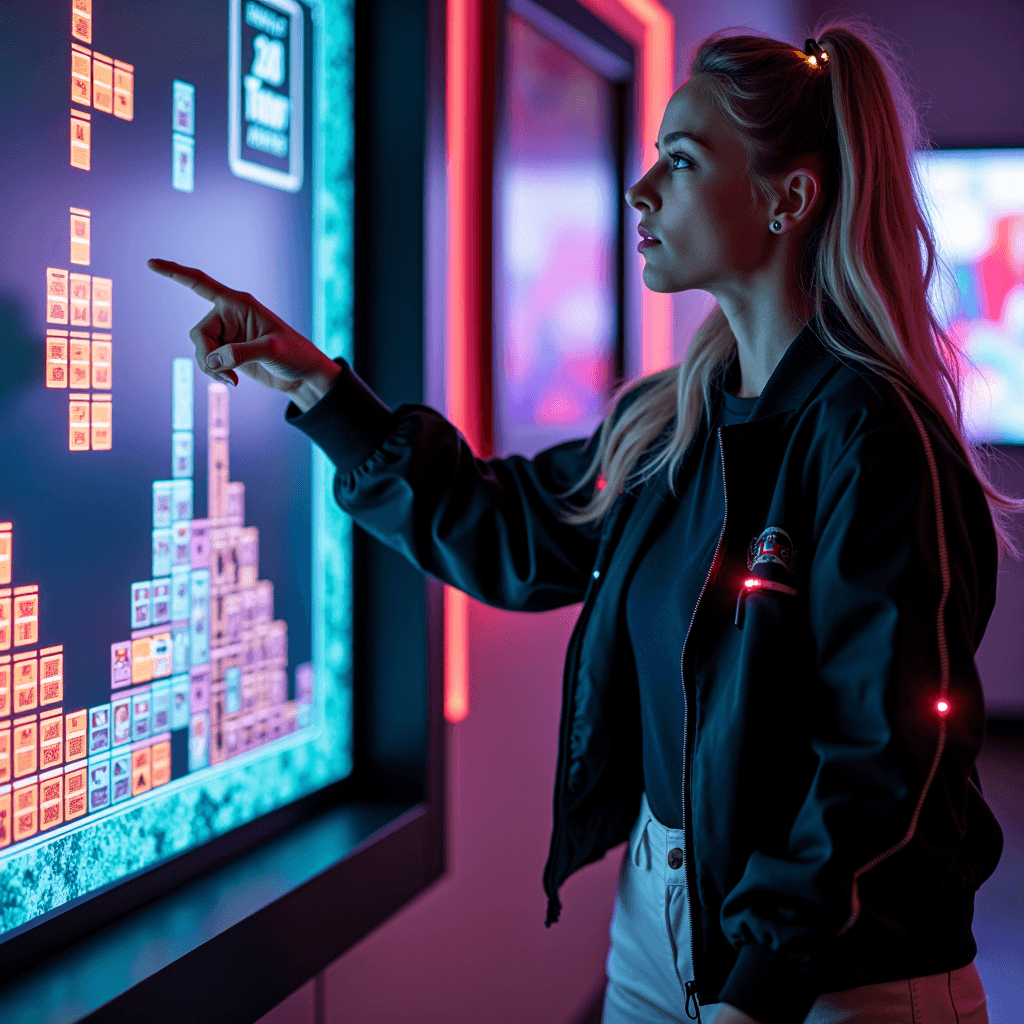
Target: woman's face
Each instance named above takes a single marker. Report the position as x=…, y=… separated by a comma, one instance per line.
x=696, y=201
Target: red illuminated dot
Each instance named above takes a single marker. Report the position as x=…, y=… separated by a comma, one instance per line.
x=752, y=583
x=601, y=483
x=942, y=706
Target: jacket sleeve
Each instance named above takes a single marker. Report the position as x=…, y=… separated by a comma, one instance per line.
x=487, y=527
x=878, y=833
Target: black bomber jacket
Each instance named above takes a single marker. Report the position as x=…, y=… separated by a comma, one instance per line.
x=836, y=830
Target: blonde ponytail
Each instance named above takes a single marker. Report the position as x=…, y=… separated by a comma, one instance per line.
x=866, y=265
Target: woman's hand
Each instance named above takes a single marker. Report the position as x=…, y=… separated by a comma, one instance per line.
x=240, y=332
x=729, y=1014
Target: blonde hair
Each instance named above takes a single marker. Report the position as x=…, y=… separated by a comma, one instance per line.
x=861, y=263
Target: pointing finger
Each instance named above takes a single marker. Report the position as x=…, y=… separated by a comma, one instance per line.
x=208, y=333
x=202, y=284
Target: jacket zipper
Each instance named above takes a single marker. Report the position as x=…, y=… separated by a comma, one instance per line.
x=691, y=985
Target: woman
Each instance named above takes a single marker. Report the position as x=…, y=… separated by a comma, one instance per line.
x=786, y=551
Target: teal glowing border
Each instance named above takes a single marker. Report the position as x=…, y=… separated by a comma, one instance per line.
x=109, y=846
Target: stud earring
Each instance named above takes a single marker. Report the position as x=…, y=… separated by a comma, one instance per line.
x=775, y=225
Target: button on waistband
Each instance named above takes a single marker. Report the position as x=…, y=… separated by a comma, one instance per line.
x=675, y=857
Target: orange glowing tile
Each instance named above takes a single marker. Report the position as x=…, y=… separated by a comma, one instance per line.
x=25, y=682
x=78, y=363
x=161, y=763
x=74, y=792
x=26, y=616
x=51, y=742
x=78, y=425
x=6, y=630
x=56, y=359
x=103, y=83
x=51, y=676
x=101, y=379
x=24, y=740
x=5, y=685
x=75, y=728
x=26, y=811
x=5, y=819
x=51, y=801
x=80, y=286
x=102, y=353
x=81, y=232
x=56, y=295
x=5, y=752
x=142, y=660
x=6, y=544
x=81, y=141
x=102, y=302
x=81, y=75
x=101, y=423
x=124, y=90
x=81, y=20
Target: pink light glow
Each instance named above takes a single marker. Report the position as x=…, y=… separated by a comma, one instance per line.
x=651, y=29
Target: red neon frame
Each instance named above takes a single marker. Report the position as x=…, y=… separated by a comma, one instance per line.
x=651, y=30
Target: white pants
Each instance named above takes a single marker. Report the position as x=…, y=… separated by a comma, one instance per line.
x=649, y=959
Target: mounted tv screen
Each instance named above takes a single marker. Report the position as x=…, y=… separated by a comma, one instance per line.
x=168, y=668
x=558, y=207
x=976, y=204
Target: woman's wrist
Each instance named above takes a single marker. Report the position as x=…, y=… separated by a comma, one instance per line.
x=314, y=386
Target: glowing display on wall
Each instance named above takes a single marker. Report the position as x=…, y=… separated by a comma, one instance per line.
x=170, y=668
x=976, y=203
x=556, y=213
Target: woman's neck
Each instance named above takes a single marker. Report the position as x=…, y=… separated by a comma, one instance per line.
x=765, y=319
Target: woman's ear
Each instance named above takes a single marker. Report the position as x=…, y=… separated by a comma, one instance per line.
x=798, y=193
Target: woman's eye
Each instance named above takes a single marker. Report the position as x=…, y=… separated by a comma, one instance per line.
x=679, y=156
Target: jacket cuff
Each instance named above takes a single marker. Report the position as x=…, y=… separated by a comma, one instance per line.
x=349, y=423
x=768, y=987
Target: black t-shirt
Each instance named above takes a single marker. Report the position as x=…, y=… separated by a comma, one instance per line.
x=659, y=604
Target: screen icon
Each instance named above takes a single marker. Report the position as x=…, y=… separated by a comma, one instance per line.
x=266, y=92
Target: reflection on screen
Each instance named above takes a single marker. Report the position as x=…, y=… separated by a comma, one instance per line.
x=976, y=204
x=555, y=289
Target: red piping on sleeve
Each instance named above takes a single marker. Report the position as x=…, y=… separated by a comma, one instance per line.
x=942, y=703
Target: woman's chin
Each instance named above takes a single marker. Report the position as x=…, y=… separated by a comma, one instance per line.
x=656, y=281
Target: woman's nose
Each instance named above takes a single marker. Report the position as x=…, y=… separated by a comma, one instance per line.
x=638, y=195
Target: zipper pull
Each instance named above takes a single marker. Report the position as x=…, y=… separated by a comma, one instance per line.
x=691, y=993
x=740, y=598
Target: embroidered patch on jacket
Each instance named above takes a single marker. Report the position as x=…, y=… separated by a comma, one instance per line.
x=772, y=545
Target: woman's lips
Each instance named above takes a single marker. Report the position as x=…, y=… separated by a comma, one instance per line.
x=647, y=240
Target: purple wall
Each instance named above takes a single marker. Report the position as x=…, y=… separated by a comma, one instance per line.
x=965, y=59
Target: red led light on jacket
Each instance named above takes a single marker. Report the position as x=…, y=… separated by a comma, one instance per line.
x=601, y=482
x=942, y=707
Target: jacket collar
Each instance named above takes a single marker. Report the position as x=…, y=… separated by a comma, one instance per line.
x=801, y=368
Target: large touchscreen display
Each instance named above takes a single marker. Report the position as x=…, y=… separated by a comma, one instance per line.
x=164, y=669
